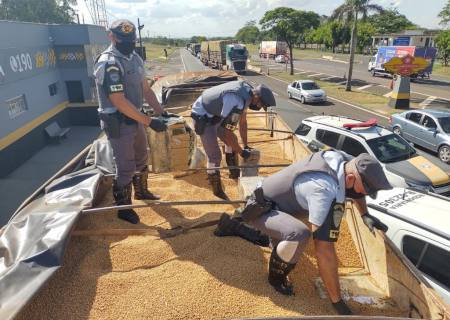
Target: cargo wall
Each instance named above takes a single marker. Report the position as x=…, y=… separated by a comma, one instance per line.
x=42, y=68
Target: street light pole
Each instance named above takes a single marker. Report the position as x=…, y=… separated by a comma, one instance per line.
x=140, y=27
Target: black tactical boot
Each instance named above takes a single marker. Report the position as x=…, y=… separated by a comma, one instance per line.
x=122, y=196
x=342, y=308
x=228, y=226
x=278, y=272
x=232, y=161
x=216, y=184
x=140, y=187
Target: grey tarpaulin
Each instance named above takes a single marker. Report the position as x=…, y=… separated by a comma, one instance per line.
x=184, y=88
x=33, y=242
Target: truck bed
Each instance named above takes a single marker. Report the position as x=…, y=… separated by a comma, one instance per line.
x=171, y=266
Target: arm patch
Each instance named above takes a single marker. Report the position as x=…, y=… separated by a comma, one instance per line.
x=113, y=79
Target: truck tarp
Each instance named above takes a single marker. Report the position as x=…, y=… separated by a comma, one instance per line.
x=33, y=243
x=184, y=88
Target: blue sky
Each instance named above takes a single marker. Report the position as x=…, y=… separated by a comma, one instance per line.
x=184, y=18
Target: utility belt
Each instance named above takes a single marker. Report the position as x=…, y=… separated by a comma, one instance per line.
x=256, y=206
x=201, y=122
x=111, y=123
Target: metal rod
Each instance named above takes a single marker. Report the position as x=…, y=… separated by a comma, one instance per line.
x=278, y=165
x=271, y=130
x=163, y=203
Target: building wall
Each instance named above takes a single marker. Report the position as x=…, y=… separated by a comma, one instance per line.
x=35, y=64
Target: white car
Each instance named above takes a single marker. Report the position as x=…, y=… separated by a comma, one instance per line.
x=419, y=226
x=403, y=166
x=306, y=91
x=281, y=59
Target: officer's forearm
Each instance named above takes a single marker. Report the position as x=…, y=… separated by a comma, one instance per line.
x=126, y=107
x=243, y=130
x=231, y=140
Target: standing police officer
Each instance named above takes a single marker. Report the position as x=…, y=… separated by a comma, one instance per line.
x=121, y=88
x=216, y=113
x=318, y=187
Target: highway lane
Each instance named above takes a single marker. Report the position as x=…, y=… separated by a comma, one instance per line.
x=293, y=112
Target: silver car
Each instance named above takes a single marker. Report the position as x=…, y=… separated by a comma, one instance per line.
x=306, y=91
x=427, y=128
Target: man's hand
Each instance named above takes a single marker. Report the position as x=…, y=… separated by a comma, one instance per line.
x=246, y=153
x=166, y=114
x=157, y=124
x=373, y=222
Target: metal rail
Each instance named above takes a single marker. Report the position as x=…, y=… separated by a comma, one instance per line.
x=163, y=204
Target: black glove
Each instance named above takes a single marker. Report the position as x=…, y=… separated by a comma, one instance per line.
x=245, y=153
x=166, y=114
x=373, y=222
x=157, y=124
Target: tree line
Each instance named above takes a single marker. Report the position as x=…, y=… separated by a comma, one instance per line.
x=353, y=23
x=42, y=11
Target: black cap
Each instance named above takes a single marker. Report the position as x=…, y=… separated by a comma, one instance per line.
x=124, y=30
x=372, y=174
x=266, y=95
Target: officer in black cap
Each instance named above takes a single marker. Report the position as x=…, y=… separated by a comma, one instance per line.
x=122, y=87
x=217, y=113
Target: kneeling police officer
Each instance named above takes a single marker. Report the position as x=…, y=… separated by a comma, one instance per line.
x=318, y=187
x=217, y=113
x=121, y=87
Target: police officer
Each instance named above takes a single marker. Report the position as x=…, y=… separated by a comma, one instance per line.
x=317, y=186
x=217, y=113
x=121, y=87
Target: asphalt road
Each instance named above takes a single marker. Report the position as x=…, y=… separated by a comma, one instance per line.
x=292, y=111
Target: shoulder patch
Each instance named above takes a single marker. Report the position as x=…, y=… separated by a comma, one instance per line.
x=116, y=88
x=112, y=68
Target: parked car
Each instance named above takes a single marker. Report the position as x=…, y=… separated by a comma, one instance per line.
x=402, y=165
x=419, y=226
x=427, y=128
x=306, y=91
x=281, y=59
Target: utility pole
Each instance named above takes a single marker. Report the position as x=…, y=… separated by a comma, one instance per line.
x=140, y=27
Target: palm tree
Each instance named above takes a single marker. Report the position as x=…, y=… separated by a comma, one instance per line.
x=349, y=11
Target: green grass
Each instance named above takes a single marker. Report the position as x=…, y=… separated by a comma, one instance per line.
x=440, y=70
x=308, y=53
x=157, y=51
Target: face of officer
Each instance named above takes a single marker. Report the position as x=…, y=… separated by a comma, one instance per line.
x=124, y=47
x=354, y=186
x=256, y=103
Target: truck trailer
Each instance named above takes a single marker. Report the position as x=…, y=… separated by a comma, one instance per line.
x=224, y=54
x=272, y=49
x=385, y=54
x=65, y=255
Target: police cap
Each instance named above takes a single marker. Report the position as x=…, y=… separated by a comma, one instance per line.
x=123, y=30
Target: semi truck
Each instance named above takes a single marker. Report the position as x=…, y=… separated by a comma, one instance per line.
x=272, y=49
x=224, y=54
x=194, y=48
x=384, y=54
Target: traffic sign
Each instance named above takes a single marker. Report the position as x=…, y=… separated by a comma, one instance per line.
x=406, y=65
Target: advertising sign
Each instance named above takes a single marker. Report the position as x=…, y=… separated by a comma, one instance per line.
x=406, y=66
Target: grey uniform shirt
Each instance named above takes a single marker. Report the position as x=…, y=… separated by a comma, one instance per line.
x=230, y=100
x=316, y=192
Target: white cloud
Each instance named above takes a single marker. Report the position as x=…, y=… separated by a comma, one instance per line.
x=184, y=18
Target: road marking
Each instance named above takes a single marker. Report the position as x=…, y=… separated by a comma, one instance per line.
x=301, y=72
x=387, y=95
x=343, y=102
x=314, y=75
x=275, y=94
x=182, y=60
x=427, y=101
x=365, y=87
x=343, y=82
